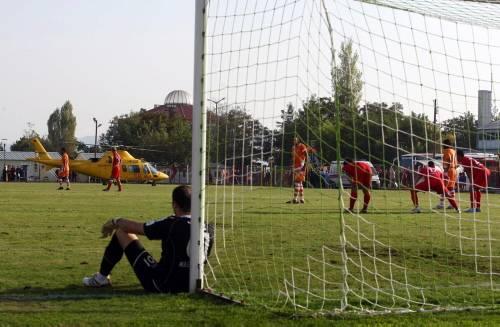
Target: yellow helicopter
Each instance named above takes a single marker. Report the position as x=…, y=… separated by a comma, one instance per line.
x=132, y=169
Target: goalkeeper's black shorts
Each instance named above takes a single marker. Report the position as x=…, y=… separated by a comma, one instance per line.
x=153, y=276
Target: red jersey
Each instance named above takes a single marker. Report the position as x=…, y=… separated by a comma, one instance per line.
x=477, y=172
x=116, y=170
x=359, y=172
x=474, y=168
x=117, y=160
x=431, y=174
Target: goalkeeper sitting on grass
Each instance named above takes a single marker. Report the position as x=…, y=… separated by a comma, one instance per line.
x=171, y=273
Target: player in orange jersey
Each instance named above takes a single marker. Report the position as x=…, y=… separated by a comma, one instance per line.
x=299, y=153
x=63, y=175
x=450, y=165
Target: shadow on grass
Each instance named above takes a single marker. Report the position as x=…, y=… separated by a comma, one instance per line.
x=69, y=292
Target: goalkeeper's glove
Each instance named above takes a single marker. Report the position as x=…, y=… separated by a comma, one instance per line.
x=108, y=227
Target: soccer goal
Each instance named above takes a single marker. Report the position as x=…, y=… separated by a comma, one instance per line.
x=384, y=82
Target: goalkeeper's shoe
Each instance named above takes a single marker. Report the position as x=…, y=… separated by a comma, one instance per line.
x=96, y=281
x=294, y=201
x=440, y=206
x=302, y=201
x=61, y=188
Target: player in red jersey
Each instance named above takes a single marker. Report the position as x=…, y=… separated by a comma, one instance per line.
x=478, y=177
x=299, y=153
x=431, y=179
x=63, y=175
x=115, y=171
x=360, y=174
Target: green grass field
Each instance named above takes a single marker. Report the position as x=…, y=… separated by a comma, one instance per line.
x=50, y=239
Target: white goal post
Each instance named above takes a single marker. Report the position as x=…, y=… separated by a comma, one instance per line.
x=198, y=154
x=391, y=83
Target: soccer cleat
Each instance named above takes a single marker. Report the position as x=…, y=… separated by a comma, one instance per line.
x=478, y=210
x=450, y=207
x=457, y=210
x=472, y=210
x=105, y=190
x=416, y=210
x=60, y=188
x=440, y=206
x=348, y=210
x=67, y=188
x=93, y=281
x=293, y=201
x=364, y=211
x=302, y=201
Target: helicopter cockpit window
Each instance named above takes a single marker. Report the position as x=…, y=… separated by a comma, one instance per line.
x=134, y=169
x=152, y=169
x=146, y=169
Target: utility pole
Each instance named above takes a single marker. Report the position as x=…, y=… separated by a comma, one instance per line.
x=434, y=129
x=95, y=140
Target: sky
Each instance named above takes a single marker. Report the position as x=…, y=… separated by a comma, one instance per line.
x=116, y=56
x=264, y=55
x=107, y=57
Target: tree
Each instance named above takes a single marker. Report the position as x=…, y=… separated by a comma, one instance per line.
x=241, y=137
x=155, y=137
x=348, y=88
x=316, y=122
x=82, y=147
x=463, y=128
x=24, y=143
x=380, y=129
x=348, y=83
x=61, y=126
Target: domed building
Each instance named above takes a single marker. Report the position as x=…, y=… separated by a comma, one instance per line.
x=177, y=97
x=177, y=103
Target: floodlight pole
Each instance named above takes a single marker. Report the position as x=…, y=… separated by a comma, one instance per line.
x=217, y=137
x=199, y=129
x=216, y=104
x=95, y=140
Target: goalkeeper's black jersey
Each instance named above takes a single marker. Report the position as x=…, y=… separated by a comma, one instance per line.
x=174, y=233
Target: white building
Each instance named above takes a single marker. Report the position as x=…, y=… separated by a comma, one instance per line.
x=31, y=171
x=34, y=172
x=488, y=139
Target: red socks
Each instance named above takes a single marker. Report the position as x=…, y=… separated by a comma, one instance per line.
x=366, y=200
x=478, y=199
x=354, y=197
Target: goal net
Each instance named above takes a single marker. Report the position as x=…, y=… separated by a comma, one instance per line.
x=385, y=82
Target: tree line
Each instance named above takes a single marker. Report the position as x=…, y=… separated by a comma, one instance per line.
x=374, y=131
